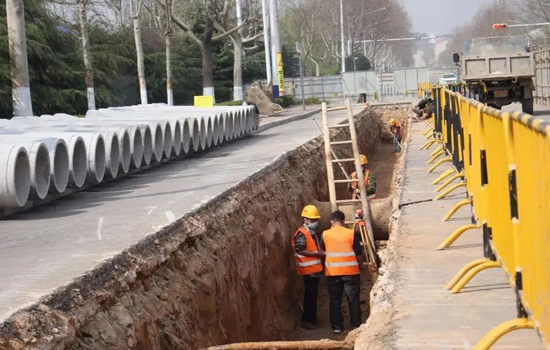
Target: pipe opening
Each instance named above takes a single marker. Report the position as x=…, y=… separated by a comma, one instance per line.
x=147, y=145
x=113, y=155
x=229, y=126
x=137, y=148
x=167, y=145
x=209, y=132
x=186, y=136
x=79, y=163
x=221, y=124
x=41, y=171
x=159, y=144
x=21, y=177
x=196, y=135
x=125, y=152
x=60, y=167
x=203, y=136
x=177, y=139
x=97, y=160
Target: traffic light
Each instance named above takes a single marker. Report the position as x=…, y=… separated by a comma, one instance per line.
x=500, y=25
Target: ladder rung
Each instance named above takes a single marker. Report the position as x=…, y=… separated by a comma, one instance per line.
x=341, y=142
x=347, y=222
x=343, y=160
x=338, y=126
x=348, y=201
x=346, y=181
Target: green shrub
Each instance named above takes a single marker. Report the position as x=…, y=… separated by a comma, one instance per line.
x=284, y=101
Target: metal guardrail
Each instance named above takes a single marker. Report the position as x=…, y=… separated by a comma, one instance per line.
x=504, y=161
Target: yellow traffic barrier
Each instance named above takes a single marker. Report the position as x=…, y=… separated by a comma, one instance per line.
x=449, y=181
x=504, y=161
x=448, y=191
x=456, y=235
x=502, y=329
x=455, y=208
x=435, y=156
x=439, y=162
x=443, y=176
x=427, y=131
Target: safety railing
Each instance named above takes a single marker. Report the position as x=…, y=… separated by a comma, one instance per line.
x=503, y=161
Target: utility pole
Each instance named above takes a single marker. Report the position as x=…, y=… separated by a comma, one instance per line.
x=21, y=92
x=266, y=41
x=300, y=50
x=342, y=36
x=277, y=55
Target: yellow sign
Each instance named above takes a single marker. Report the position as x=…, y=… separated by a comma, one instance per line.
x=281, y=76
x=204, y=101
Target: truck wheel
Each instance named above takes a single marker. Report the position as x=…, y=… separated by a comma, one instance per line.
x=527, y=106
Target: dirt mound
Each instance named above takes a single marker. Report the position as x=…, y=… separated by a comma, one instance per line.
x=258, y=97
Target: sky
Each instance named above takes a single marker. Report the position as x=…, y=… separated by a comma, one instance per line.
x=440, y=16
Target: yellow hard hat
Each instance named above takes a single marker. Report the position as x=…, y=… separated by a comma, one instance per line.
x=392, y=121
x=363, y=158
x=310, y=212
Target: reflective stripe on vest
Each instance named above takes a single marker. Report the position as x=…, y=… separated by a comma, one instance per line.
x=340, y=257
x=307, y=265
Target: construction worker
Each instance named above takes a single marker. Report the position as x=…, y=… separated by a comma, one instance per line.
x=424, y=107
x=396, y=129
x=341, y=248
x=308, y=263
x=370, y=180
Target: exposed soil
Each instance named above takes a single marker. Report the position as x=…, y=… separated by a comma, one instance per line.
x=221, y=274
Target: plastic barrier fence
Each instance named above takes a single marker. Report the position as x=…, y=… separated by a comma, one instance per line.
x=504, y=161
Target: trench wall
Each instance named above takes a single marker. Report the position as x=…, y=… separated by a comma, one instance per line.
x=221, y=274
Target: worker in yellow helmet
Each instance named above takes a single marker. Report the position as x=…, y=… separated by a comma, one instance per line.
x=308, y=256
x=370, y=180
x=397, y=131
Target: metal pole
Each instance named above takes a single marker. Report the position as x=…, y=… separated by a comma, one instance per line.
x=302, y=82
x=342, y=36
x=275, y=45
x=21, y=92
x=266, y=41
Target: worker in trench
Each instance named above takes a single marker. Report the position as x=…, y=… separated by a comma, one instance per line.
x=309, y=257
x=342, y=247
x=370, y=180
x=397, y=132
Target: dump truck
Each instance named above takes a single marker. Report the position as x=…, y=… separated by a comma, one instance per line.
x=498, y=71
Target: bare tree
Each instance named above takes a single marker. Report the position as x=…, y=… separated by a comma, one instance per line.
x=21, y=93
x=168, y=40
x=88, y=67
x=136, y=6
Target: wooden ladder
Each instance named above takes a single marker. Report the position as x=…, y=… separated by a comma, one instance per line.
x=331, y=158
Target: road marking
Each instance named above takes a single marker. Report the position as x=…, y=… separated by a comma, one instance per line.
x=151, y=210
x=467, y=345
x=99, y=225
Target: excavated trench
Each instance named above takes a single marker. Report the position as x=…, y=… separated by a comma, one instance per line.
x=223, y=273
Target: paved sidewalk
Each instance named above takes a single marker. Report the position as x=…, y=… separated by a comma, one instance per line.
x=429, y=317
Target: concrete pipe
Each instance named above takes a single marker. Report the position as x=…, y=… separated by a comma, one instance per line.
x=167, y=139
x=112, y=153
x=195, y=134
x=209, y=131
x=147, y=138
x=125, y=151
x=137, y=145
x=39, y=160
x=185, y=136
x=229, y=125
x=15, y=184
x=215, y=119
x=57, y=151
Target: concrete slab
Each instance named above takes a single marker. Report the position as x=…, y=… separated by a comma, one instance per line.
x=430, y=317
x=49, y=246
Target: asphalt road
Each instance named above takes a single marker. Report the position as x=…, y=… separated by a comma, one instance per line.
x=47, y=247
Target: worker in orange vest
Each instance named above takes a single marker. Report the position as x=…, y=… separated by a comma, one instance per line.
x=308, y=255
x=370, y=180
x=397, y=131
x=341, y=248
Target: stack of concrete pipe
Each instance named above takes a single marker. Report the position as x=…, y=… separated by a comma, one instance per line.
x=43, y=158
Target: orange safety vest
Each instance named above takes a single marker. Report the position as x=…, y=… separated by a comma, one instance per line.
x=354, y=184
x=307, y=265
x=340, y=257
x=397, y=127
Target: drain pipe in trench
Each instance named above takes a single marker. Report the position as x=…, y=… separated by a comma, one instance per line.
x=288, y=345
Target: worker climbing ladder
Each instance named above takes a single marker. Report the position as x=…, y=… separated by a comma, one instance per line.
x=365, y=225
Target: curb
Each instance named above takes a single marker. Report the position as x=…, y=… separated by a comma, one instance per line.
x=287, y=120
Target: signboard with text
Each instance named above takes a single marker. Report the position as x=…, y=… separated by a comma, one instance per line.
x=280, y=70
x=204, y=101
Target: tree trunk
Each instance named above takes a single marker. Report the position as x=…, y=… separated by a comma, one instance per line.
x=237, y=68
x=317, y=70
x=21, y=92
x=89, y=76
x=169, y=91
x=207, y=74
x=140, y=64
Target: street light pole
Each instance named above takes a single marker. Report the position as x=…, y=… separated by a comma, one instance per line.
x=342, y=36
x=267, y=44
